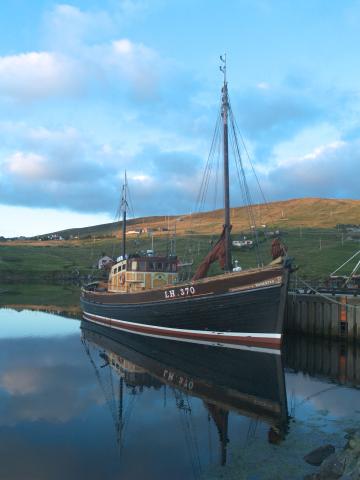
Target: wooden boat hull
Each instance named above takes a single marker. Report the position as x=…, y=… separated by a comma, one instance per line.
x=240, y=308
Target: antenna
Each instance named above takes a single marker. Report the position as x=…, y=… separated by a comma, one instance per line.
x=223, y=66
x=124, y=202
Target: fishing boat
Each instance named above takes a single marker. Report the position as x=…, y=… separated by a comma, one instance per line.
x=143, y=294
x=245, y=381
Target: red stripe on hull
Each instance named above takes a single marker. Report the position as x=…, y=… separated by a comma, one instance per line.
x=211, y=338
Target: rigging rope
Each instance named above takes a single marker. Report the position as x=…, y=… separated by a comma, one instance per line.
x=213, y=163
x=201, y=198
x=244, y=187
x=253, y=170
x=190, y=436
x=204, y=186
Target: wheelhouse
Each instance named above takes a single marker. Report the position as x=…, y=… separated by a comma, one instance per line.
x=137, y=273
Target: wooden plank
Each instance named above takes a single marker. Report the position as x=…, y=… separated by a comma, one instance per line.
x=351, y=312
x=343, y=309
x=310, y=327
x=335, y=320
x=355, y=302
x=356, y=321
x=305, y=316
x=298, y=316
x=290, y=313
x=319, y=314
x=327, y=319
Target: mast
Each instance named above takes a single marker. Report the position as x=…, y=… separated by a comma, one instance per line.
x=123, y=207
x=224, y=114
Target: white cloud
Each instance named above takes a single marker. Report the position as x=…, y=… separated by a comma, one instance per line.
x=45, y=134
x=20, y=382
x=141, y=178
x=263, y=86
x=15, y=133
x=88, y=38
x=69, y=28
x=132, y=7
x=134, y=63
x=37, y=75
x=34, y=75
x=323, y=150
x=124, y=47
x=30, y=166
x=305, y=144
x=328, y=171
x=84, y=51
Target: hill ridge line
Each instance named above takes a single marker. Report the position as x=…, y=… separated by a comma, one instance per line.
x=295, y=212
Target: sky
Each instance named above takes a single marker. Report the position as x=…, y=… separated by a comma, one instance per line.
x=90, y=88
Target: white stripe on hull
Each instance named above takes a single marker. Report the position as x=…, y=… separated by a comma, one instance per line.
x=181, y=330
x=211, y=343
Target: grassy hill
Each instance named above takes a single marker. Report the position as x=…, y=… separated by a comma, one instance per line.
x=302, y=212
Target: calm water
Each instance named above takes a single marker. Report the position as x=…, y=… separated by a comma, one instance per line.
x=77, y=403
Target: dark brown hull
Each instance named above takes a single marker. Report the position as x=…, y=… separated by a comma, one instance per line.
x=239, y=308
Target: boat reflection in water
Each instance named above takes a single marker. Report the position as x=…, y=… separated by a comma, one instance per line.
x=247, y=381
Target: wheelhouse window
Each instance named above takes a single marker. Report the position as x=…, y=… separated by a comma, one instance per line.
x=159, y=266
x=134, y=265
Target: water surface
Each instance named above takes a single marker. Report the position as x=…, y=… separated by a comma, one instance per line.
x=78, y=403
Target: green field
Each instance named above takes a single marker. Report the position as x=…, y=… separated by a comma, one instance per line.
x=316, y=251
x=39, y=294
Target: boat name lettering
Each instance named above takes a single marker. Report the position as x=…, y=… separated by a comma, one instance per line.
x=265, y=282
x=184, y=382
x=169, y=293
x=180, y=292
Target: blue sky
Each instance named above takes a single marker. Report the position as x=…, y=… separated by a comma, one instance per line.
x=89, y=89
